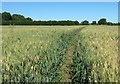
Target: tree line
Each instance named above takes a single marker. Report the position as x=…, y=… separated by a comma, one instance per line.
x=17, y=19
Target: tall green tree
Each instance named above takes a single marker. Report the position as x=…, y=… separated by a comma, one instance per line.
x=0, y=18
x=85, y=22
x=93, y=23
x=29, y=19
x=6, y=16
x=102, y=21
x=109, y=23
x=17, y=17
x=76, y=22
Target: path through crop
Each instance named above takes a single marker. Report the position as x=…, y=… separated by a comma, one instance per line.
x=66, y=67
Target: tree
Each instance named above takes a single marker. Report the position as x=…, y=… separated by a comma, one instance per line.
x=29, y=19
x=17, y=17
x=93, y=23
x=0, y=18
x=21, y=20
x=6, y=16
x=85, y=22
x=76, y=22
x=102, y=21
x=109, y=23
x=118, y=23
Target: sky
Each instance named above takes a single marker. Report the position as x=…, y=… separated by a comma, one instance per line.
x=59, y=0
x=64, y=10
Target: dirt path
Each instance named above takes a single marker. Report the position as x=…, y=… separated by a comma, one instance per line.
x=66, y=67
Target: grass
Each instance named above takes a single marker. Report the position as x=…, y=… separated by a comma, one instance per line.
x=60, y=54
